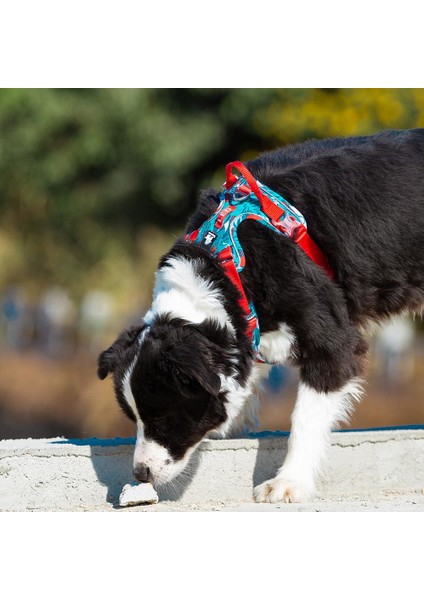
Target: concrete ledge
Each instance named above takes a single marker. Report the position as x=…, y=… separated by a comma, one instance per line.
x=88, y=474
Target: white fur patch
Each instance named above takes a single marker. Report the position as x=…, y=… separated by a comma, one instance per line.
x=127, y=391
x=275, y=345
x=314, y=415
x=182, y=293
x=148, y=452
x=126, y=380
x=241, y=402
x=236, y=396
x=155, y=456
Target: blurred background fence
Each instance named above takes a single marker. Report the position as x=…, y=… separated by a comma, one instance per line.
x=95, y=184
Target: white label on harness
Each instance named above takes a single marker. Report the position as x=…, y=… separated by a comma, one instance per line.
x=209, y=238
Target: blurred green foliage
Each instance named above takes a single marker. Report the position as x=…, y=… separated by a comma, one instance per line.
x=94, y=181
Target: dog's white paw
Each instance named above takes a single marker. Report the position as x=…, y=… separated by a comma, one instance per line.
x=282, y=489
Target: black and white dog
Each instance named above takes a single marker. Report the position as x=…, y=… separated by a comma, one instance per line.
x=187, y=370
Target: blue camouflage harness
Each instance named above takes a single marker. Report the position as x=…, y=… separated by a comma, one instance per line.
x=246, y=198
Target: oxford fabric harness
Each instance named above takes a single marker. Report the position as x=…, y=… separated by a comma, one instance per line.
x=246, y=198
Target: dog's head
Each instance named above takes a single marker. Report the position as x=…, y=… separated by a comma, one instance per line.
x=168, y=380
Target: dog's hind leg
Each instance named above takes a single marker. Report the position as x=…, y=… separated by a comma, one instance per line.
x=314, y=415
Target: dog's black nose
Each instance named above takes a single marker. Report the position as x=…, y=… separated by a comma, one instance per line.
x=142, y=473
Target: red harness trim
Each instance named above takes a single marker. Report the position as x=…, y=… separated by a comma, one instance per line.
x=268, y=207
x=310, y=248
x=303, y=239
x=226, y=261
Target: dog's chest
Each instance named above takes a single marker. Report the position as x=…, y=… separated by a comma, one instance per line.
x=275, y=345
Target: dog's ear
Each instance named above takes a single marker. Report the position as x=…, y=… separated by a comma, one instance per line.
x=109, y=358
x=197, y=372
x=204, y=374
x=190, y=362
x=106, y=362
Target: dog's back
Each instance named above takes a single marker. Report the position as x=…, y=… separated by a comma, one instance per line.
x=363, y=199
x=295, y=154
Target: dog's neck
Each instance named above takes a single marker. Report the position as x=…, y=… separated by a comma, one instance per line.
x=181, y=292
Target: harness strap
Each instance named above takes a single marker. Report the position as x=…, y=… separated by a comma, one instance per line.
x=268, y=207
x=225, y=258
x=226, y=261
x=310, y=248
x=219, y=234
x=303, y=239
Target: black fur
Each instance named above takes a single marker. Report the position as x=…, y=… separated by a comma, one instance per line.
x=116, y=359
x=363, y=200
x=175, y=380
x=178, y=383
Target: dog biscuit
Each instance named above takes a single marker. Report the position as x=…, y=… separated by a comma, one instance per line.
x=133, y=494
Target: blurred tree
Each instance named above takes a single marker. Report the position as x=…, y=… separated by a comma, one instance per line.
x=295, y=115
x=82, y=172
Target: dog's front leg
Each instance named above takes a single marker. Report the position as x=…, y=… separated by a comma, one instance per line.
x=314, y=415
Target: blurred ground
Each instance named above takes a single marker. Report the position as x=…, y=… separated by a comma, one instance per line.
x=389, y=399
x=43, y=396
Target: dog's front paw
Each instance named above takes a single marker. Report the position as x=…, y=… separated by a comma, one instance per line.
x=282, y=489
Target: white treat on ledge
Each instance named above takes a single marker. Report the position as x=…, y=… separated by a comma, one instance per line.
x=133, y=494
